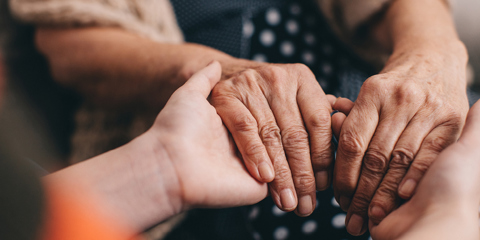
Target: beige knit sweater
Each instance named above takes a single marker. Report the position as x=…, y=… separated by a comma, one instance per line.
x=98, y=130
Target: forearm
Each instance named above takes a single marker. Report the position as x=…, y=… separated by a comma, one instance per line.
x=115, y=68
x=412, y=24
x=133, y=185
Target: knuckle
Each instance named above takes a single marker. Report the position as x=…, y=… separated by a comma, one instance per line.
x=244, y=123
x=375, y=162
x=283, y=175
x=407, y=93
x=438, y=143
x=294, y=138
x=360, y=202
x=421, y=167
x=252, y=150
x=270, y=135
x=319, y=122
x=322, y=158
x=345, y=184
x=304, y=183
x=349, y=144
x=401, y=158
x=374, y=83
x=273, y=73
x=388, y=188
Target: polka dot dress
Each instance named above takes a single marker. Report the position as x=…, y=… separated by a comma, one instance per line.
x=296, y=33
x=276, y=31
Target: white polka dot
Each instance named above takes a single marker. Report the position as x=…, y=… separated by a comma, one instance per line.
x=370, y=238
x=272, y=16
x=292, y=27
x=334, y=202
x=254, y=213
x=248, y=29
x=280, y=233
x=327, y=69
x=339, y=220
x=287, y=48
x=267, y=37
x=308, y=57
x=295, y=9
x=309, y=38
x=309, y=227
x=259, y=57
x=256, y=236
x=277, y=212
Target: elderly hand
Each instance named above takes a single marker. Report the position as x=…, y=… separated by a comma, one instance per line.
x=207, y=172
x=278, y=114
x=402, y=119
x=445, y=205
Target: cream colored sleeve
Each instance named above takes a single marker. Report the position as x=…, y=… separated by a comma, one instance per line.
x=153, y=19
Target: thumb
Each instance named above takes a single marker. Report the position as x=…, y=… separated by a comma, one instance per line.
x=204, y=80
x=337, y=121
x=343, y=105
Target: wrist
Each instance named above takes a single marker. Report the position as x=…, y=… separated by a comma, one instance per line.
x=201, y=56
x=157, y=191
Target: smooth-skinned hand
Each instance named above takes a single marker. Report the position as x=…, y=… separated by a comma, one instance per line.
x=208, y=169
x=279, y=118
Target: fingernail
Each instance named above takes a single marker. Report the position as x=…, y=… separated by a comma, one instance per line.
x=288, y=199
x=378, y=213
x=266, y=172
x=355, y=225
x=406, y=190
x=344, y=203
x=305, y=205
x=321, y=179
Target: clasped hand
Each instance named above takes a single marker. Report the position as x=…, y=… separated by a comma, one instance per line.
x=403, y=118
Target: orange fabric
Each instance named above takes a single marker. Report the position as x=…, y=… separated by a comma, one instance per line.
x=75, y=219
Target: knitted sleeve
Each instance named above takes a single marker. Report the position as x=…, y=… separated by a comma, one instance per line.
x=153, y=19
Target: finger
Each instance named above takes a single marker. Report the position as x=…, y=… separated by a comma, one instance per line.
x=337, y=121
x=266, y=129
x=374, y=167
x=204, y=80
x=437, y=140
x=244, y=129
x=316, y=109
x=357, y=131
x=386, y=198
x=272, y=132
x=296, y=145
x=343, y=105
x=331, y=99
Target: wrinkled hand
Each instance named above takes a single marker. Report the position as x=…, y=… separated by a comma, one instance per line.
x=402, y=119
x=445, y=205
x=278, y=114
x=203, y=157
